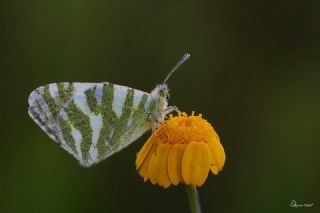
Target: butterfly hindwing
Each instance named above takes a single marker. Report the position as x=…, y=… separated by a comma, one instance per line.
x=92, y=120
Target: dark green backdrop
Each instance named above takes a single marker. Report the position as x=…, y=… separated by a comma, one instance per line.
x=254, y=73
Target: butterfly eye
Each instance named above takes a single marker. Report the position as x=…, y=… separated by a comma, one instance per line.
x=162, y=93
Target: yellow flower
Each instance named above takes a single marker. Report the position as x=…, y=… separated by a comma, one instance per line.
x=181, y=150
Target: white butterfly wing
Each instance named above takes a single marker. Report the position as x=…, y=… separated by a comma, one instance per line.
x=92, y=120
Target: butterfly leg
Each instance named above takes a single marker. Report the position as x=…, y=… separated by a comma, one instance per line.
x=167, y=111
x=170, y=109
x=155, y=125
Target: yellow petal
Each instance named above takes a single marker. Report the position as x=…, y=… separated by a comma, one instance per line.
x=175, y=163
x=163, y=179
x=195, y=163
x=217, y=152
x=143, y=152
x=157, y=170
x=213, y=164
x=152, y=172
x=143, y=168
x=214, y=169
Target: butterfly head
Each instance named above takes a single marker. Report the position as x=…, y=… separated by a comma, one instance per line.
x=161, y=92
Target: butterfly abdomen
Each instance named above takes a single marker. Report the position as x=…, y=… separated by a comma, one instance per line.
x=92, y=121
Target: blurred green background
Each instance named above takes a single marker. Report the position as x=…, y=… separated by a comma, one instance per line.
x=254, y=73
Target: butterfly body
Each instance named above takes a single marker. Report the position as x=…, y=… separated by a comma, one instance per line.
x=94, y=120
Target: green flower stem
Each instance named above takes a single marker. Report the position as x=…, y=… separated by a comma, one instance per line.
x=193, y=198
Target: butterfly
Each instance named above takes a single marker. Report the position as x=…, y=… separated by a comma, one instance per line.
x=92, y=121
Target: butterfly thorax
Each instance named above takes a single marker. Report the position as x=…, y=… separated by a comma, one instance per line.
x=161, y=95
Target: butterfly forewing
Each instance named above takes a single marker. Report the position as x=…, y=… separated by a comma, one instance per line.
x=91, y=120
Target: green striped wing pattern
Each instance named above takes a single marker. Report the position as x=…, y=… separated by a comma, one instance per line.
x=92, y=120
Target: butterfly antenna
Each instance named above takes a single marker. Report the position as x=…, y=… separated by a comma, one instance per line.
x=182, y=60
